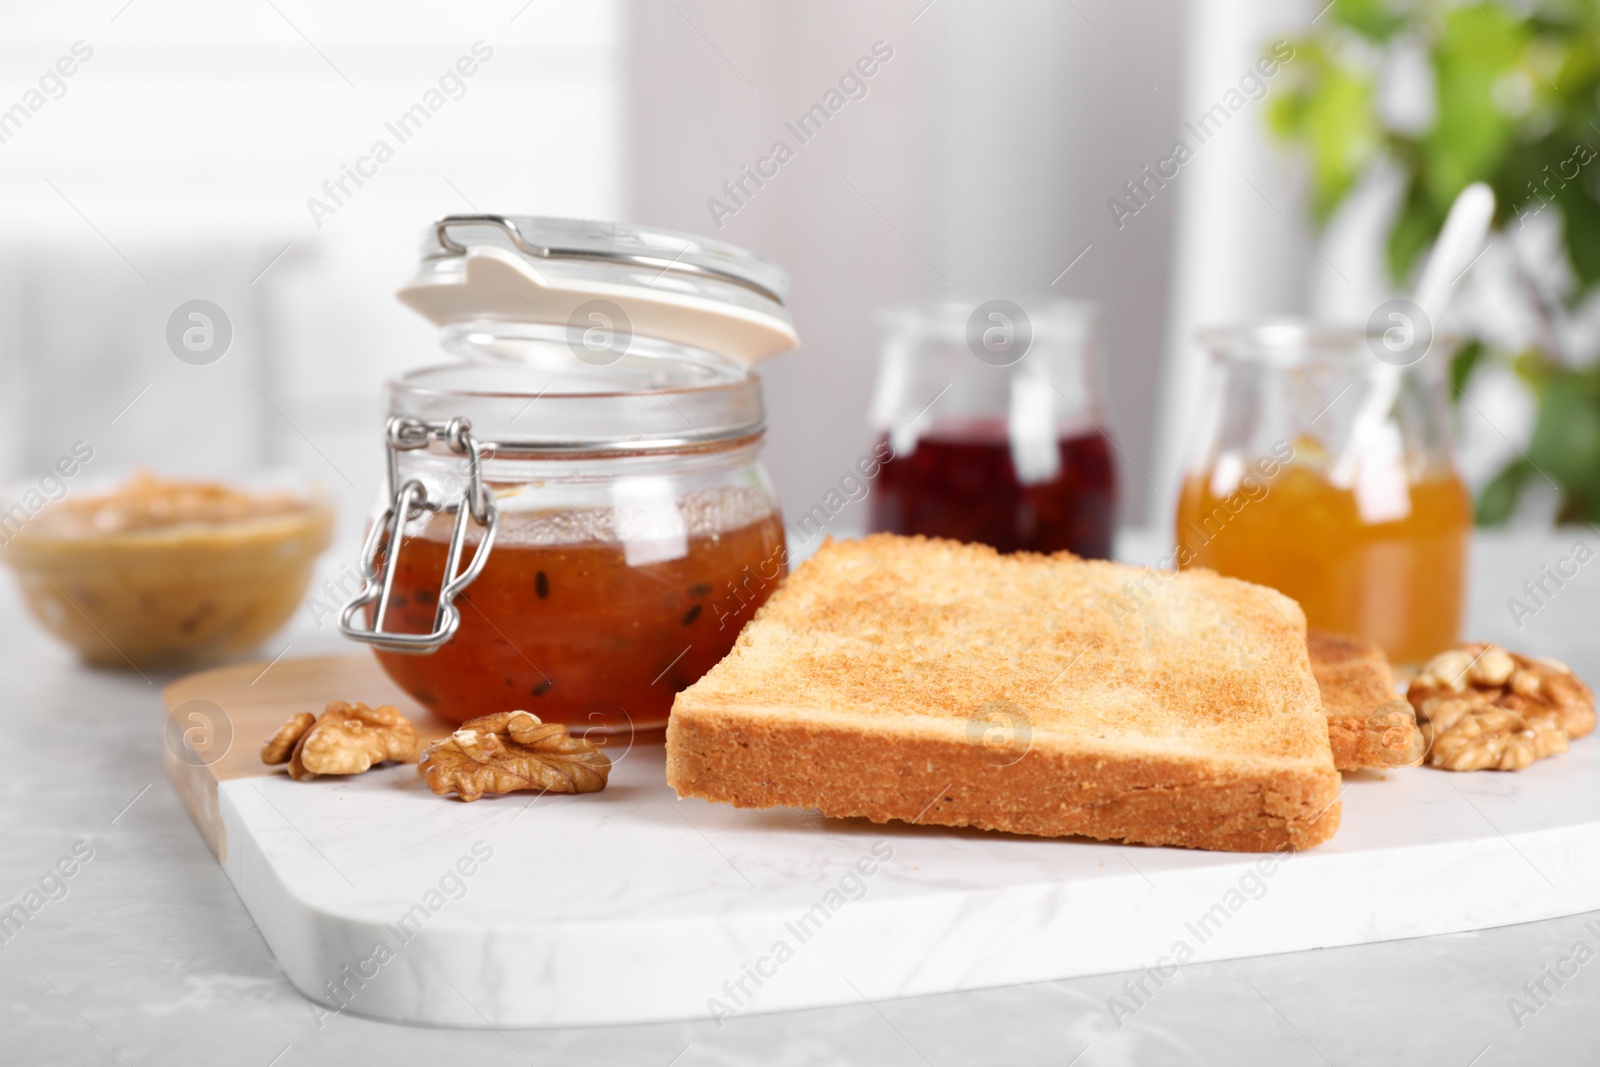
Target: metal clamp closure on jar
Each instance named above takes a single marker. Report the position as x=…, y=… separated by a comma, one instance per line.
x=528, y=245
x=409, y=501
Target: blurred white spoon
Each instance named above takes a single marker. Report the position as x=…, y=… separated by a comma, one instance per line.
x=1459, y=242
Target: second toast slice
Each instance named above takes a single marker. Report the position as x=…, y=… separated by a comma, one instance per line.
x=1369, y=723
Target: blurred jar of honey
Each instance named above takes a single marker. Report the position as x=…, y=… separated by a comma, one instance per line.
x=1328, y=473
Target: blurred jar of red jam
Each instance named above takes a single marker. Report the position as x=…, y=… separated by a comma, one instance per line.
x=990, y=415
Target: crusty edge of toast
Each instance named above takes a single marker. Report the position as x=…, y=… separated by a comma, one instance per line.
x=930, y=773
x=1385, y=737
x=1369, y=724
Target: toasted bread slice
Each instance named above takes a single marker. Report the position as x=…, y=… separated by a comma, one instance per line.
x=1369, y=724
x=936, y=682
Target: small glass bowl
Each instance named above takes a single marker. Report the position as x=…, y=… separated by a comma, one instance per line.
x=153, y=585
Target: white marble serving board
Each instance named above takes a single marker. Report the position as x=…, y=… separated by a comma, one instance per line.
x=631, y=905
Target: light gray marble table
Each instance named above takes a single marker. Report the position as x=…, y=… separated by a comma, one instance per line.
x=149, y=957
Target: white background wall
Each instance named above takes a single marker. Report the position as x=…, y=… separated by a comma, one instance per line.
x=178, y=165
x=179, y=162
x=979, y=164
x=1243, y=248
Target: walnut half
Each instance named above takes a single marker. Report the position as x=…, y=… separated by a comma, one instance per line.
x=512, y=751
x=1481, y=707
x=346, y=739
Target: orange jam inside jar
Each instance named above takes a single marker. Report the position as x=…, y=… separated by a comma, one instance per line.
x=575, y=520
x=1328, y=475
x=596, y=632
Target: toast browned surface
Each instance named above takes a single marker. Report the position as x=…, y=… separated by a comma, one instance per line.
x=1369, y=724
x=936, y=682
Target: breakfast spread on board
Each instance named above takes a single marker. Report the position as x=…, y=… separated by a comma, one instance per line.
x=626, y=577
x=940, y=683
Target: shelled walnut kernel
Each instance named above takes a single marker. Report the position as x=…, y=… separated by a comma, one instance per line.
x=345, y=739
x=1480, y=707
x=511, y=751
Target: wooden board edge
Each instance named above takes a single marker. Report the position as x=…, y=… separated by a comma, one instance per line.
x=236, y=708
x=196, y=787
x=194, y=775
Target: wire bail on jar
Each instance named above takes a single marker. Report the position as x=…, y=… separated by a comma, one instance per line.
x=527, y=245
x=409, y=501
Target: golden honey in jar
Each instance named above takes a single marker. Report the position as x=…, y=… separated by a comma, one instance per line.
x=576, y=521
x=1366, y=527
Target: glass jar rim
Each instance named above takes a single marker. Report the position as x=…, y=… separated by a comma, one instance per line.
x=657, y=404
x=1295, y=342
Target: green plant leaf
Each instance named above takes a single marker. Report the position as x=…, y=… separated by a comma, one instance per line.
x=1580, y=220
x=1578, y=61
x=1533, y=367
x=1517, y=95
x=1331, y=109
x=1478, y=53
x=1462, y=364
x=1498, y=499
x=1576, y=507
x=1376, y=20
x=1416, y=225
x=1565, y=445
